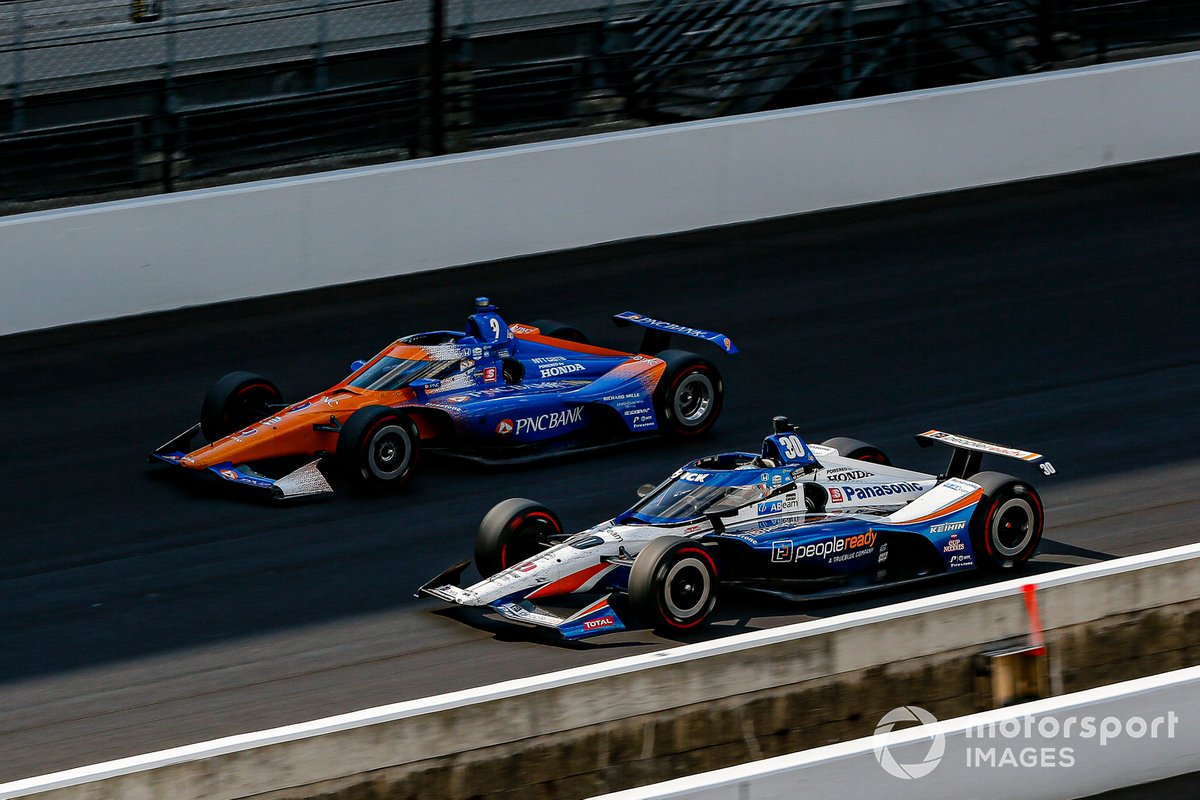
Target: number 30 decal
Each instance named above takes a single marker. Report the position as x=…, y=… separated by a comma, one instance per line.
x=1047, y=468
x=793, y=448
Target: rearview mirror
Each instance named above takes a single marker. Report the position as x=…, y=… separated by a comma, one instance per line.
x=645, y=489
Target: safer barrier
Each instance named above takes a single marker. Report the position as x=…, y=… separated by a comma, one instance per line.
x=632, y=721
x=1077, y=745
x=139, y=256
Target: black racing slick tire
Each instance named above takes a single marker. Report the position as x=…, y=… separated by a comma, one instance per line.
x=378, y=448
x=673, y=584
x=235, y=402
x=560, y=330
x=514, y=530
x=1006, y=527
x=859, y=451
x=689, y=395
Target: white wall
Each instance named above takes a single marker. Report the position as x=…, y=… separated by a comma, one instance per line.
x=130, y=257
x=1089, y=768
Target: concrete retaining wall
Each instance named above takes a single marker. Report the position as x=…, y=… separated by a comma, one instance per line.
x=685, y=710
x=155, y=254
x=1141, y=731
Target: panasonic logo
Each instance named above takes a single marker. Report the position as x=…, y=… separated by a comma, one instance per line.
x=549, y=421
x=878, y=490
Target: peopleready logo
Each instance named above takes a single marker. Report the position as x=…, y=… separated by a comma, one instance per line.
x=1016, y=743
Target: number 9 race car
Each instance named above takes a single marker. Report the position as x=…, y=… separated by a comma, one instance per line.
x=494, y=392
x=795, y=521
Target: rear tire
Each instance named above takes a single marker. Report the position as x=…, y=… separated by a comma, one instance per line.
x=514, y=530
x=560, y=330
x=689, y=395
x=858, y=450
x=235, y=402
x=1006, y=527
x=673, y=584
x=378, y=448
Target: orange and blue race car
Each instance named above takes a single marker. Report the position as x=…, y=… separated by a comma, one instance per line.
x=494, y=392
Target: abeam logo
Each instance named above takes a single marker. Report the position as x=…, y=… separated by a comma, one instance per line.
x=549, y=421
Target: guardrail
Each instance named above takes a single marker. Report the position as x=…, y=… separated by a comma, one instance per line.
x=1139, y=731
x=438, y=744
x=137, y=256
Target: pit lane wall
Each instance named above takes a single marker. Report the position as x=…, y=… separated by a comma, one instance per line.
x=1140, y=731
x=154, y=254
x=640, y=720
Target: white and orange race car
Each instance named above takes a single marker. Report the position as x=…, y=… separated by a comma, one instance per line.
x=794, y=521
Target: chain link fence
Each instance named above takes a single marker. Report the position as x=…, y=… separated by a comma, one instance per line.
x=109, y=97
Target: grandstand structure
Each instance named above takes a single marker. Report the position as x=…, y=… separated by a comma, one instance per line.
x=136, y=96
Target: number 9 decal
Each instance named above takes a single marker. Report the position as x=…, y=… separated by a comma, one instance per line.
x=495, y=323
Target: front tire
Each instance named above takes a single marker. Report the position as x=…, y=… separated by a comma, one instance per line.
x=1006, y=527
x=237, y=401
x=378, y=448
x=858, y=450
x=513, y=531
x=689, y=395
x=673, y=584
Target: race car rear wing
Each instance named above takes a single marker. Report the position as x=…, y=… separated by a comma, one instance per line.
x=658, y=333
x=968, y=453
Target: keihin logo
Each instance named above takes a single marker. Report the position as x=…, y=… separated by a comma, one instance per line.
x=919, y=769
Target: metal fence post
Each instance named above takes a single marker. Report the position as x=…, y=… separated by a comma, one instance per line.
x=170, y=134
x=322, y=76
x=18, y=101
x=437, y=78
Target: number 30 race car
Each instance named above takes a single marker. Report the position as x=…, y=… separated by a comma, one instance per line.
x=795, y=521
x=494, y=391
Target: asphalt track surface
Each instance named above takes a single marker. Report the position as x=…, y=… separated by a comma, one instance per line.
x=138, y=612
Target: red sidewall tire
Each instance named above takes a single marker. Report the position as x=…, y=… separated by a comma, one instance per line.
x=673, y=584
x=511, y=532
x=378, y=448
x=1007, y=525
x=703, y=395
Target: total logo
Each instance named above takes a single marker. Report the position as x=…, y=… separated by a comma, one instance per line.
x=593, y=624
